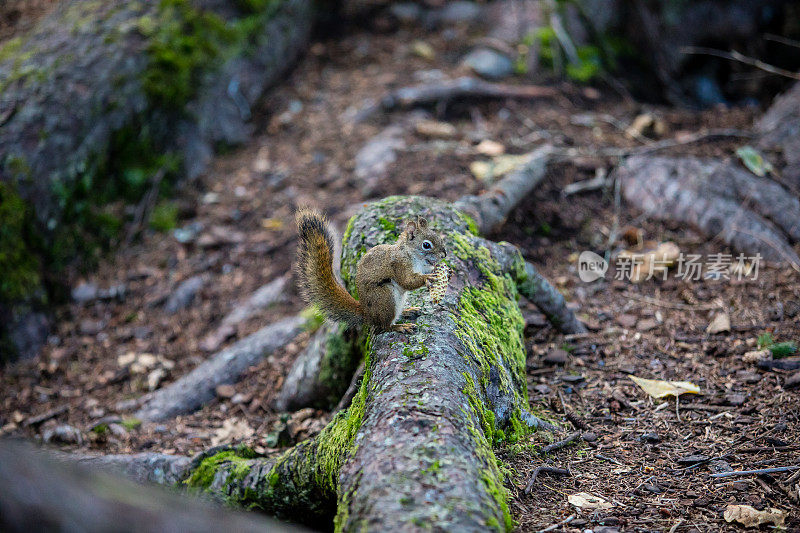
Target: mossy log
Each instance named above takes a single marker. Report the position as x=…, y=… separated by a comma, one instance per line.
x=414, y=449
x=102, y=99
x=43, y=494
x=321, y=372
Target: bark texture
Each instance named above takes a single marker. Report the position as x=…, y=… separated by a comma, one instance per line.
x=103, y=99
x=779, y=130
x=41, y=494
x=753, y=215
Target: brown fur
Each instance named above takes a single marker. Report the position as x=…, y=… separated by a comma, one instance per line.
x=383, y=274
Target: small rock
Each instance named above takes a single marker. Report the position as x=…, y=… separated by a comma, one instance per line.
x=183, y=295
x=375, y=158
x=719, y=324
x=556, y=357
x=490, y=148
x=718, y=466
x=225, y=391
x=542, y=389
x=85, y=292
x=692, y=459
x=650, y=438
x=626, y=321
x=118, y=431
x=91, y=327
x=459, y=12
x=792, y=381
x=406, y=12
x=63, y=433
x=756, y=356
x=748, y=376
x=489, y=63
x=435, y=129
x=422, y=49
x=589, y=436
x=735, y=400
x=154, y=378
x=646, y=324
x=655, y=489
x=572, y=378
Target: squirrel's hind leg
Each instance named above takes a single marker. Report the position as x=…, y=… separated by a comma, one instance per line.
x=403, y=328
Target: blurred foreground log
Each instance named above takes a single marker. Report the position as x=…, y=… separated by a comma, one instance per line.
x=103, y=103
x=414, y=448
x=43, y=494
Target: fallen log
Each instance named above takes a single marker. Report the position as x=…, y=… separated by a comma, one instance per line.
x=310, y=383
x=446, y=91
x=43, y=494
x=196, y=388
x=414, y=448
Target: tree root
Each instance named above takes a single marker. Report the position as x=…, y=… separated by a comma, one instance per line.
x=197, y=387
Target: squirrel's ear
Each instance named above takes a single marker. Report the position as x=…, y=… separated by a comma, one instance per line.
x=411, y=227
x=423, y=222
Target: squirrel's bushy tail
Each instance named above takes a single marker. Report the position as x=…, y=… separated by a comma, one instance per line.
x=317, y=283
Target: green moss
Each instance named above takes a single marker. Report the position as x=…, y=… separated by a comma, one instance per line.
x=313, y=318
x=131, y=423
x=164, y=217
x=19, y=266
x=342, y=355
x=203, y=475
x=183, y=45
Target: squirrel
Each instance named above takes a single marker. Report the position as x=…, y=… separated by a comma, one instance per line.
x=383, y=275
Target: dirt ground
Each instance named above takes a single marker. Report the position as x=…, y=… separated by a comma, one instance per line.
x=304, y=153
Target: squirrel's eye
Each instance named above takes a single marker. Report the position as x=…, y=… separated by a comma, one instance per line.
x=426, y=245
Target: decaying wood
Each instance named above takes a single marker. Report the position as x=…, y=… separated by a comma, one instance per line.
x=42, y=494
x=446, y=91
x=779, y=129
x=197, y=387
x=414, y=448
x=490, y=209
x=321, y=372
x=753, y=215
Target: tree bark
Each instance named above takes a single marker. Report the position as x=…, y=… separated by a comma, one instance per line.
x=42, y=494
x=101, y=97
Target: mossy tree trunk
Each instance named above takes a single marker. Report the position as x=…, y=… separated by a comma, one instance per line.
x=414, y=449
x=102, y=99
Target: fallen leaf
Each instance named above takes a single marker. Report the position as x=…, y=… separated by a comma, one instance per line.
x=233, y=429
x=751, y=517
x=650, y=263
x=498, y=166
x=489, y=147
x=721, y=322
x=659, y=388
x=423, y=50
x=754, y=161
x=435, y=129
x=584, y=500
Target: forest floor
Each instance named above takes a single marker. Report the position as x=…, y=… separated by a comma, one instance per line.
x=239, y=234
